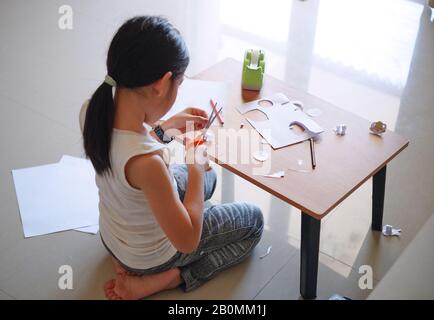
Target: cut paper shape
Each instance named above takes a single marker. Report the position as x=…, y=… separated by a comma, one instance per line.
x=340, y=129
x=378, y=128
x=388, y=230
x=338, y=297
x=280, y=117
x=57, y=197
x=278, y=174
x=261, y=155
x=266, y=253
x=300, y=166
x=197, y=93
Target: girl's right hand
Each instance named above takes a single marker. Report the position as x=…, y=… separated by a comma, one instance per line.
x=196, y=155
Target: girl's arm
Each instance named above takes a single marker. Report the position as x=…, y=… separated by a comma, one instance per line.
x=181, y=222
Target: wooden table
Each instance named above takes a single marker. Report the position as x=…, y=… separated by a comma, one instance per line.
x=344, y=163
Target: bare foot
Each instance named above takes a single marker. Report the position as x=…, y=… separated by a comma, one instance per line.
x=127, y=287
x=118, y=268
x=109, y=290
x=110, y=285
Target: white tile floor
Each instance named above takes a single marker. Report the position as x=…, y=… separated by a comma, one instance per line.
x=46, y=73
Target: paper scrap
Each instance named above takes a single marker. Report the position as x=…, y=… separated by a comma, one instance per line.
x=280, y=116
x=299, y=104
x=266, y=253
x=340, y=129
x=389, y=231
x=261, y=155
x=278, y=174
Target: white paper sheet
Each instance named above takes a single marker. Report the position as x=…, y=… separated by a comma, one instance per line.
x=278, y=174
x=197, y=93
x=74, y=161
x=57, y=197
x=91, y=229
x=280, y=117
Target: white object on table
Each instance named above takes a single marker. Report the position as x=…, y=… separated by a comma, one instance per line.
x=278, y=174
x=261, y=155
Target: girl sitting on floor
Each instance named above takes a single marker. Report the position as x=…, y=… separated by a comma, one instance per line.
x=152, y=216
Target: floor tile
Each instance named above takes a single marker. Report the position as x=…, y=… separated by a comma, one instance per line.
x=246, y=279
x=333, y=278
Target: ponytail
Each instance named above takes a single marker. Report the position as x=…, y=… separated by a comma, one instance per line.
x=98, y=126
x=141, y=52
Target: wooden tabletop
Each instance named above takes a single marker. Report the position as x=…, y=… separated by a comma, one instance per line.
x=343, y=162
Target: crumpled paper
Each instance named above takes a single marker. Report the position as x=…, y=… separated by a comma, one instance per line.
x=261, y=155
x=340, y=129
x=390, y=231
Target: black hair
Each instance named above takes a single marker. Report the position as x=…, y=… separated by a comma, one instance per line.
x=141, y=52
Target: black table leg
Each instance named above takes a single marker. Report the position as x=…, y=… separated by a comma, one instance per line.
x=378, y=188
x=310, y=230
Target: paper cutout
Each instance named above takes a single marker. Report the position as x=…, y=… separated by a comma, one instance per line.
x=266, y=253
x=278, y=174
x=388, y=230
x=340, y=130
x=261, y=155
x=280, y=117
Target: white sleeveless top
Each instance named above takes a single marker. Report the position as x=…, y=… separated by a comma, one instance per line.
x=127, y=225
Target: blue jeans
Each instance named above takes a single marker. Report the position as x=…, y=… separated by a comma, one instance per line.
x=229, y=234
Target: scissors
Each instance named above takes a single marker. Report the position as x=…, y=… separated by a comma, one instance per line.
x=202, y=137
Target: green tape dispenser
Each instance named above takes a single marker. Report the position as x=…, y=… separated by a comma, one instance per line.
x=253, y=69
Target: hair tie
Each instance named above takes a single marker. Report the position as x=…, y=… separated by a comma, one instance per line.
x=110, y=81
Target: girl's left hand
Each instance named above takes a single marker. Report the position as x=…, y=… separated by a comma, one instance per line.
x=197, y=118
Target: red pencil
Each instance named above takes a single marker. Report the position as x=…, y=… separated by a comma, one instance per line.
x=219, y=116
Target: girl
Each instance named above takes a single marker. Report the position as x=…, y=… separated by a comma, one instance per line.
x=152, y=216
